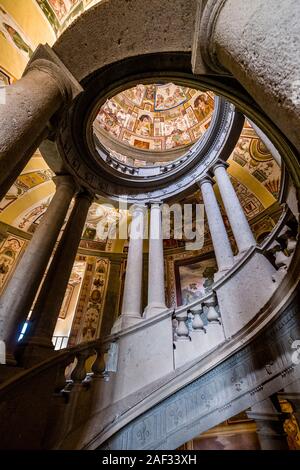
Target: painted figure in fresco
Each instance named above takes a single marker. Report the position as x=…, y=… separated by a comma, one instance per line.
x=8, y=256
x=136, y=94
x=8, y=28
x=144, y=125
x=90, y=324
x=59, y=7
x=202, y=105
x=19, y=42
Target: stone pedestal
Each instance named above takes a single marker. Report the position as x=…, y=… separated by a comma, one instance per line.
x=19, y=294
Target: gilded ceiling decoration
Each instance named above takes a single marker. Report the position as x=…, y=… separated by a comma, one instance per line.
x=155, y=118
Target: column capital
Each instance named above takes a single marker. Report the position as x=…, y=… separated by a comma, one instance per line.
x=65, y=180
x=136, y=208
x=155, y=202
x=219, y=163
x=45, y=60
x=205, y=179
x=84, y=194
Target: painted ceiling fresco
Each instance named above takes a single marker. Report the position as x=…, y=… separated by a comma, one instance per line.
x=156, y=117
x=61, y=13
x=253, y=156
x=13, y=34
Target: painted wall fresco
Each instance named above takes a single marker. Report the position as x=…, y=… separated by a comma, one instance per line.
x=31, y=218
x=10, y=251
x=251, y=154
x=12, y=32
x=87, y=320
x=250, y=203
x=4, y=79
x=75, y=279
x=23, y=184
x=195, y=279
x=156, y=117
x=61, y=13
x=102, y=222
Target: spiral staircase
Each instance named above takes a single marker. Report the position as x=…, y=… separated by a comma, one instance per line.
x=160, y=381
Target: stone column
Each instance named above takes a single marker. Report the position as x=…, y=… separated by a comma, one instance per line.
x=245, y=39
x=26, y=108
x=38, y=341
x=132, y=296
x=156, y=278
x=221, y=243
x=269, y=424
x=19, y=295
x=238, y=221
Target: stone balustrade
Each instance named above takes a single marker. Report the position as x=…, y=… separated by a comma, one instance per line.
x=197, y=330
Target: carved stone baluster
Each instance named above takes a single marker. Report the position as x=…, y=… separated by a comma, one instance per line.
x=99, y=366
x=61, y=379
x=212, y=314
x=182, y=329
x=198, y=334
x=197, y=323
x=79, y=373
x=215, y=334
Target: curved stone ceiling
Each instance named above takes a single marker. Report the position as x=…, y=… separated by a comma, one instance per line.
x=155, y=120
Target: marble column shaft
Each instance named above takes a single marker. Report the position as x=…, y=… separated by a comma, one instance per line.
x=49, y=301
x=20, y=292
x=132, y=297
x=221, y=243
x=25, y=110
x=238, y=221
x=156, y=279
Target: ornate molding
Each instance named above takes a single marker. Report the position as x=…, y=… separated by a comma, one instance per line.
x=235, y=384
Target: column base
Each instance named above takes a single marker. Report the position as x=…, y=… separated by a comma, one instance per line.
x=125, y=321
x=153, y=309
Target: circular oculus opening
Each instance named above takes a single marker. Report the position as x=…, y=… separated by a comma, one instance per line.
x=154, y=124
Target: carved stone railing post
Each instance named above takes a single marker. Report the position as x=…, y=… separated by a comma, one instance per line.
x=79, y=373
x=212, y=314
x=215, y=333
x=198, y=324
x=182, y=329
x=99, y=366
